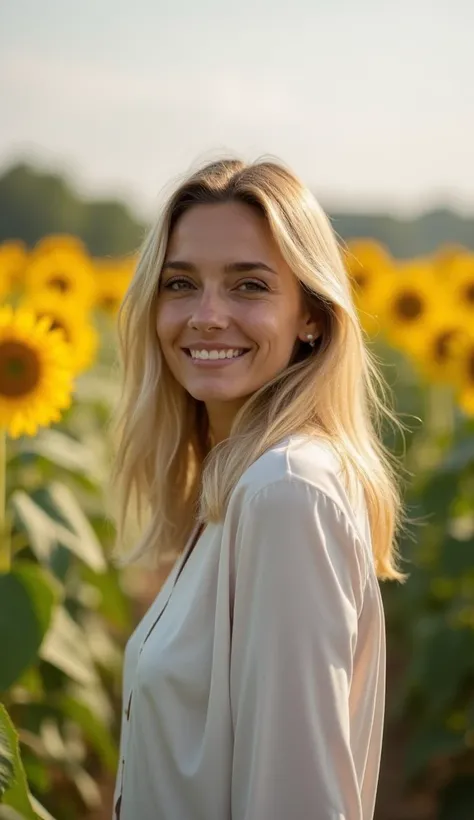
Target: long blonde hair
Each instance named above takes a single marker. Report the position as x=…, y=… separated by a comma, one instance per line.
x=163, y=459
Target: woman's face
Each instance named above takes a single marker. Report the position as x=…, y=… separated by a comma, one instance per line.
x=230, y=310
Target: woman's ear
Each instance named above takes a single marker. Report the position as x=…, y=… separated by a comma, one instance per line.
x=311, y=330
x=314, y=319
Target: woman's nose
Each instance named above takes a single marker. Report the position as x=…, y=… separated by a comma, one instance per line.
x=209, y=311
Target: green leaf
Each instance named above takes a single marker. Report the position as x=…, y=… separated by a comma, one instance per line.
x=95, y=731
x=7, y=768
x=16, y=794
x=27, y=599
x=66, y=648
x=65, y=452
x=114, y=604
x=40, y=811
x=87, y=546
x=8, y=813
x=38, y=772
x=45, y=533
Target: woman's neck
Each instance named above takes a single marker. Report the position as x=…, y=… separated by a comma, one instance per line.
x=221, y=417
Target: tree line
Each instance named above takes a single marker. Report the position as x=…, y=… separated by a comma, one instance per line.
x=34, y=203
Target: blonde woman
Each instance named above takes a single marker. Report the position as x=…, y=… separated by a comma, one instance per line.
x=254, y=686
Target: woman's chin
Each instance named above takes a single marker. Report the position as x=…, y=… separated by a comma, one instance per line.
x=209, y=396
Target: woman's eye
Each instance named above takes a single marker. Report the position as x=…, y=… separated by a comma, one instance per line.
x=177, y=285
x=252, y=287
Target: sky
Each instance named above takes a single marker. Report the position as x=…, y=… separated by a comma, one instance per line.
x=371, y=103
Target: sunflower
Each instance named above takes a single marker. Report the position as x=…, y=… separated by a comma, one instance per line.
x=59, y=241
x=13, y=257
x=63, y=271
x=71, y=321
x=408, y=301
x=465, y=379
x=459, y=279
x=437, y=355
x=444, y=257
x=36, y=377
x=367, y=262
x=112, y=280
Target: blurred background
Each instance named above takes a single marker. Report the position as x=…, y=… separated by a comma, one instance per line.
x=106, y=105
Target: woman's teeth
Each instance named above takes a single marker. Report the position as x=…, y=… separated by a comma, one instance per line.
x=216, y=354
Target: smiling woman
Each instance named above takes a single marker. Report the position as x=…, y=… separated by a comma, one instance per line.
x=254, y=686
x=225, y=288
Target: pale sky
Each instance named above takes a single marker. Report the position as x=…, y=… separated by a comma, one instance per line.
x=370, y=102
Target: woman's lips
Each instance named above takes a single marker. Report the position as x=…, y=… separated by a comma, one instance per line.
x=212, y=359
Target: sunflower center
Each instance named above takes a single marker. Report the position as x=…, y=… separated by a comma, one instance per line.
x=441, y=344
x=19, y=369
x=409, y=306
x=469, y=293
x=109, y=303
x=361, y=279
x=60, y=282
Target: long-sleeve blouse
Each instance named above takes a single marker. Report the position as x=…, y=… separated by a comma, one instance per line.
x=254, y=687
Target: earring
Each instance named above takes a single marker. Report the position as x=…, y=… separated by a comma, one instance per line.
x=310, y=339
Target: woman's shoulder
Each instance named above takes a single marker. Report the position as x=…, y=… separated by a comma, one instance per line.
x=306, y=461
x=310, y=459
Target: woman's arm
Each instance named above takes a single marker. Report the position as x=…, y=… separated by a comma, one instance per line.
x=299, y=585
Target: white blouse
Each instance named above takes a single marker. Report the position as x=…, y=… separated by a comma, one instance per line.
x=254, y=686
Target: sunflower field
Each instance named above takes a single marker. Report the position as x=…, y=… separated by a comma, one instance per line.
x=66, y=611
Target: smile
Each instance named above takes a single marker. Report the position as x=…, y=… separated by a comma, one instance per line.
x=214, y=355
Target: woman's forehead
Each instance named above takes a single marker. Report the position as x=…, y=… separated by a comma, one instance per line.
x=230, y=231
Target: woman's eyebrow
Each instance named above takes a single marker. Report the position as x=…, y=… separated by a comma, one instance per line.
x=246, y=267
x=231, y=267
x=177, y=264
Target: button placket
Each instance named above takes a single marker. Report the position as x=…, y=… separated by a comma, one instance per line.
x=195, y=536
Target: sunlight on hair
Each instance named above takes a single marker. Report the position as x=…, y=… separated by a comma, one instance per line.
x=164, y=458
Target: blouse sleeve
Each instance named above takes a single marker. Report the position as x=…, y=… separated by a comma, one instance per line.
x=299, y=584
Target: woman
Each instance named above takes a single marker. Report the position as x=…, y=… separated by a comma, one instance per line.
x=254, y=686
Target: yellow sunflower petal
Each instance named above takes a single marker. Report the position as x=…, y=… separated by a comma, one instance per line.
x=71, y=322
x=466, y=401
x=35, y=374
x=60, y=241
x=460, y=276
x=439, y=341
x=408, y=300
x=369, y=265
x=13, y=256
x=64, y=272
x=113, y=277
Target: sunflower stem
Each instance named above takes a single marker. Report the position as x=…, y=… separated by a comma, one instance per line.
x=5, y=555
x=440, y=412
